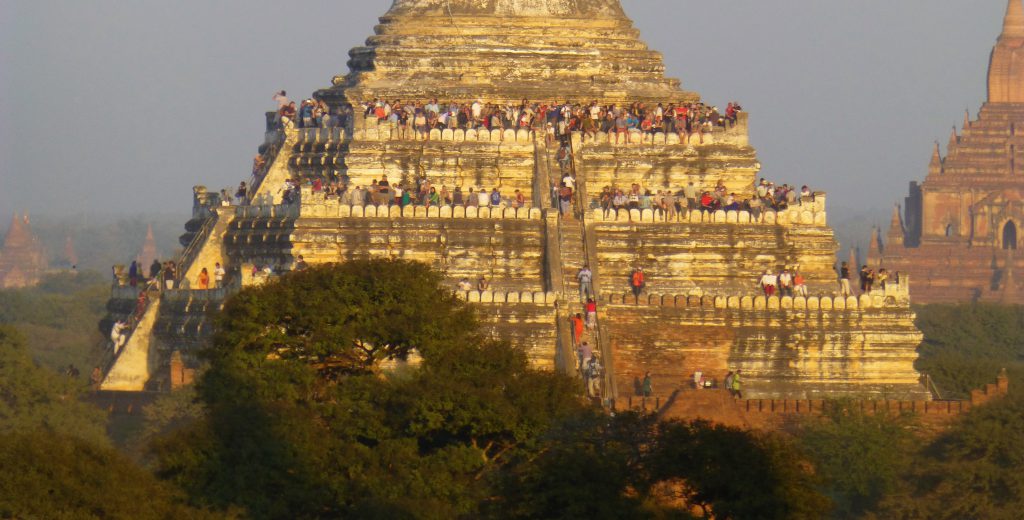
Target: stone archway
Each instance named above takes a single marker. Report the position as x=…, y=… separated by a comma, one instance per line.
x=1010, y=235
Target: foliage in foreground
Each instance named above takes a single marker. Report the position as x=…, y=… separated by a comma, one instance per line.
x=965, y=345
x=51, y=475
x=33, y=398
x=301, y=422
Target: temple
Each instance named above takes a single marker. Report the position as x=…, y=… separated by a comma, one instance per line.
x=23, y=260
x=700, y=310
x=959, y=232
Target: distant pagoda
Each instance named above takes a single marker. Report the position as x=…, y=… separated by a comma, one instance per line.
x=961, y=227
x=700, y=309
x=23, y=258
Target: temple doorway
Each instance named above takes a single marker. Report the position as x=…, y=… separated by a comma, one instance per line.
x=1010, y=235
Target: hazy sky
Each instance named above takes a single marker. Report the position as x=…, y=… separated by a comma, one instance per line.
x=123, y=106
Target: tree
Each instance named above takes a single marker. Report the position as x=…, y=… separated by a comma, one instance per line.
x=44, y=474
x=970, y=471
x=860, y=458
x=736, y=474
x=300, y=421
x=344, y=318
x=965, y=345
x=32, y=398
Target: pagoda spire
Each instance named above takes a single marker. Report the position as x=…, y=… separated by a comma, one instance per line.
x=148, y=253
x=874, y=247
x=1013, y=23
x=967, y=119
x=953, y=141
x=935, y=166
x=895, y=234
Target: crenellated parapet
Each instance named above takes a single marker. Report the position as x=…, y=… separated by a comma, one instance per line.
x=537, y=298
x=802, y=214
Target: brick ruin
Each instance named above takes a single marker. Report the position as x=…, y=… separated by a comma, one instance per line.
x=701, y=309
x=960, y=230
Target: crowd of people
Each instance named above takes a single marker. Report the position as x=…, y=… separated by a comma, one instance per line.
x=671, y=203
x=415, y=119
x=419, y=192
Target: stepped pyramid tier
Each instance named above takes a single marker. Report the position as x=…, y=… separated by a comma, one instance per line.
x=517, y=260
x=23, y=258
x=506, y=51
x=962, y=224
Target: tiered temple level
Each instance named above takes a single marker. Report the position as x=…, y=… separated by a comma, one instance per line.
x=501, y=51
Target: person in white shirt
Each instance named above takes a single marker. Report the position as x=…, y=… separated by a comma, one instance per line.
x=768, y=282
x=218, y=275
x=483, y=198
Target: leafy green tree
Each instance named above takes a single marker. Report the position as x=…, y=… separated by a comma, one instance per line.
x=860, y=458
x=590, y=467
x=58, y=319
x=344, y=318
x=736, y=474
x=971, y=471
x=44, y=474
x=33, y=398
x=301, y=423
x=966, y=345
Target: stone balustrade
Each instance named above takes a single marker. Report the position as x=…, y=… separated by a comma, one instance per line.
x=268, y=211
x=537, y=298
x=893, y=295
x=319, y=206
x=389, y=131
x=804, y=214
x=333, y=135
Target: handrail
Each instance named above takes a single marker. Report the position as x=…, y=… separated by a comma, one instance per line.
x=274, y=148
x=108, y=360
x=188, y=255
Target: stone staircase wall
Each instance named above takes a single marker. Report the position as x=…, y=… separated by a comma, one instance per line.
x=450, y=158
x=679, y=257
x=867, y=351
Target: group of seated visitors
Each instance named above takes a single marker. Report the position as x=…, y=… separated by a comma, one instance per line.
x=311, y=113
x=417, y=118
x=783, y=283
x=672, y=202
x=420, y=192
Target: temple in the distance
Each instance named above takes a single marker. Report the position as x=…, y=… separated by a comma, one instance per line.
x=960, y=230
x=700, y=310
x=23, y=259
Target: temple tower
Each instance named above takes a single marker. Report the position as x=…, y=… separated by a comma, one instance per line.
x=965, y=214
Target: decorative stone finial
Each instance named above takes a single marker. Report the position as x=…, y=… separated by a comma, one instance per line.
x=895, y=234
x=935, y=166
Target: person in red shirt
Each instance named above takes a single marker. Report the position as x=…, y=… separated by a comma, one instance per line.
x=577, y=327
x=591, y=308
x=637, y=283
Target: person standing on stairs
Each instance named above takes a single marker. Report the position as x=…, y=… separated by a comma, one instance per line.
x=637, y=283
x=585, y=278
x=591, y=308
x=577, y=327
x=646, y=388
